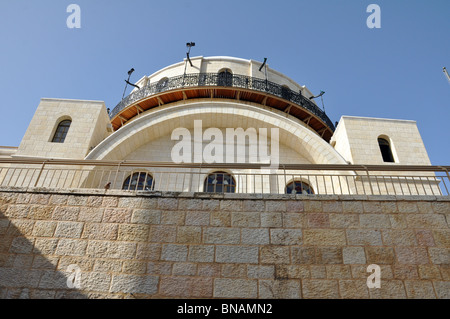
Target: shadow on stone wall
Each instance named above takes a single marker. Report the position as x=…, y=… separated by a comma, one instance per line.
x=24, y=271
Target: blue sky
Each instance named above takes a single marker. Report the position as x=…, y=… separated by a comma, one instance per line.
x=391, y=72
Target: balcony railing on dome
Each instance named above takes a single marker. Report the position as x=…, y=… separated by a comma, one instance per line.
x=154, y=177
x=222, y=80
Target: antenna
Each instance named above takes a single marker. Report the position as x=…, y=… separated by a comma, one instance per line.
x=446, y=74
x=189, y=45
x=128, y=83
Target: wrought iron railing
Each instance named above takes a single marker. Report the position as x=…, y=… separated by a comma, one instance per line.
x=223, y=80
x=245, y=178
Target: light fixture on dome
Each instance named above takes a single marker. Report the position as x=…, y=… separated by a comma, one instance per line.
x=128, y=82
x=189, y=45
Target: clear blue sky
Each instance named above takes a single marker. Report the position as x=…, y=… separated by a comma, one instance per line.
x=392, y=72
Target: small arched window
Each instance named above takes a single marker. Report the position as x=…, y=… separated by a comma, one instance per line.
x=285, y=92
x=219, y=182
x=225, y=78
x=163, y=84
x=386, y=151
x=299, y=187
x=139, y=181
x=61, y=131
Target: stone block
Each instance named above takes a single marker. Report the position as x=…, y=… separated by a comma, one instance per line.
x=186, y=287
x=271, y=220
x=297, y=206
x=69, y=229
x=286, y=236
x=163, y=234
x=332, y=206
x=374, y=221
x=201, y=253
x=71, y=247
x=171, y=252
x=189, y=234
x=352, y=206
x=318, y=220
x=90, y=214
x=66, y=213
x=353, y=289
x=283, y=272
x=197, y=218
x=231, y=205
x=338, y=272
x=184, y=269
x=173, y=217
x=148, y=251
x=365, y=237
x=439, y=256
x=424, y=237
x=419, y=289
x=344, y=220
x=353, y=255
x=255, y=236
x=431, y=272
x=399, y=237
x=235, y=288
x=44, y=228
x=233, y=271
x=133, y=232
x=245, y=219
x=221, y=235
x=324, y=237
x=40, y=212
x=403, y=272
x=279, y=289
x=303, y=255
x=275, y=206
x=134, y=284
x=410, y=255
x=146, y=216
x=390, y=289
x=293, y=220
x=442, y=237
x=380, y=255
x=442, y=289
x=117, y=215
x=274, y=255
x=100, y=231
x=237, y=254
x=426, y=221
x=329, y=255
x=260, y=272
x=221, y=219
x=320, y=289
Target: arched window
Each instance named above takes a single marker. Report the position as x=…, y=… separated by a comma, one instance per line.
x=139, y=181
x=225, y=78
x=219, y=182
x=61, y=131
x=286, y=92
x=299, y=187
x=386, y=151
x=162, y=85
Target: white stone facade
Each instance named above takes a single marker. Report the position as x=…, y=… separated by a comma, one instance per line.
x=147, y=136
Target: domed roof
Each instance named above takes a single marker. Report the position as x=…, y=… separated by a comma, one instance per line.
x=245, y=81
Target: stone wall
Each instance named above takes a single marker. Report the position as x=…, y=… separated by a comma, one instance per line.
x=209, y=246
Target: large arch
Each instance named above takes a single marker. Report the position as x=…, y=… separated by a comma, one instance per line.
x=218, y=113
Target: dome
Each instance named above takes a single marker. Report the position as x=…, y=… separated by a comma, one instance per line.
x=223, y=78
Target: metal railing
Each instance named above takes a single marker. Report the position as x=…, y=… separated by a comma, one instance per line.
x=241, y=178
x=224, y=80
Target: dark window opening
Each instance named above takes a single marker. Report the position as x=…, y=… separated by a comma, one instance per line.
x=139, y=181
x=225, y=78
x=61, y=131
x=386, y=151
x=219, y=182
x=298, y=187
